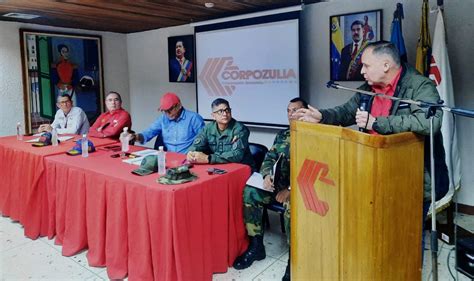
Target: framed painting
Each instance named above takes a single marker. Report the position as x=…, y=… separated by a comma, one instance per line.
x=59, y=63
x=349, y=35
x=181, y=58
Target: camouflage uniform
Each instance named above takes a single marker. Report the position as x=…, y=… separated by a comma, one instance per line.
x=229, y=146
x=254, y=198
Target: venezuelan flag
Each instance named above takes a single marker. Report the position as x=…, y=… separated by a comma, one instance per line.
x=336, y=47
x=423, y=48
x=397, y=35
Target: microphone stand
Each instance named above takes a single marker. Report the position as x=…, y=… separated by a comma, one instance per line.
x=434, y=232
x=454, y=110
x=432, y=107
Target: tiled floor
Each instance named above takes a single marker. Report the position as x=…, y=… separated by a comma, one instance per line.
x=25, y=259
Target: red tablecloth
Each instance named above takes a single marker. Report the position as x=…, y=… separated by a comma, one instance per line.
x=136, y=226
x=23, y=184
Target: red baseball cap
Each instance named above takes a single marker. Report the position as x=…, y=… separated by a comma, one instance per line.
x=168, y=100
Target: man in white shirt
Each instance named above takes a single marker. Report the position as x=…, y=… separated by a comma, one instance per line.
x=68, y=119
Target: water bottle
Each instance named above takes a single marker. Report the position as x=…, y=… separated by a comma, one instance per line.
x=124, y=140
x=161, y=161
x=54, y=137
x=85, y=146
x=19, y=131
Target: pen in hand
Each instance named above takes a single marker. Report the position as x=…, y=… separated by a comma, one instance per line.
x=268, y=183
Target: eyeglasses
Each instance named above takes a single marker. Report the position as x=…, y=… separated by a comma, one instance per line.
x=64, y=102
x=221, y=111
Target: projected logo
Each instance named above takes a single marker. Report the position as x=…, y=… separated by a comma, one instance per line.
x=311, y=172
x=221, y=77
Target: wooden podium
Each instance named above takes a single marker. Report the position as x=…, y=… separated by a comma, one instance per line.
x=356, y=204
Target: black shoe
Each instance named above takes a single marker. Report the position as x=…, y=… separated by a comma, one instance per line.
x=255, y=252
x=286, y=277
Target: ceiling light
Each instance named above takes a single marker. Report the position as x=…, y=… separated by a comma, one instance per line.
x=248, y=16
x=21, y=16
x=209, y=5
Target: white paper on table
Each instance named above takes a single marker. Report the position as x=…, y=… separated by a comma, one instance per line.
x=63, y=138
x=33, y=140
x=146, y=152
x=134, y=161
x=142, y=154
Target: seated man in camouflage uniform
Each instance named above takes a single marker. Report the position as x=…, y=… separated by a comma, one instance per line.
x=254, y=198
x=223, y=140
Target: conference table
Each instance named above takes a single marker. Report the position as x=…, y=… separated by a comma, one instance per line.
x=142, y=229
x=23, y=194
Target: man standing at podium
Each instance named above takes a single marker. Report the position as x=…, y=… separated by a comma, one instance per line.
x=385, y=74
x=278, y=189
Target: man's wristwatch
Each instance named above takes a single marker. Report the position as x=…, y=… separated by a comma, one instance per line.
x=375, y=126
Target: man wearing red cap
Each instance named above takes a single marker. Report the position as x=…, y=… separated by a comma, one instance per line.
x=176, y=128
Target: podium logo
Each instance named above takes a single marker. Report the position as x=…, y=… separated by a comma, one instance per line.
x=221, y=77
x=310, y=173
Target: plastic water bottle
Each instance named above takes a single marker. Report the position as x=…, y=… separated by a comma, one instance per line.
x=54, y=137
x=85, y=146
x=124, y=140
x=161, y=161
x=19, y=131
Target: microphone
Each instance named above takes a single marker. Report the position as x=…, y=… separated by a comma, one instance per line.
x=364, y=102
x=364, y=106
x=331, y=84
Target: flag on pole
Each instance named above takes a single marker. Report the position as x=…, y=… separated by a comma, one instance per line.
x=440, y=73
x=336, y=47
x=423, y=48
x=397, y=35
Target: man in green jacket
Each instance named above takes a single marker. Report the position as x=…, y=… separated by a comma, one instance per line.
x=279, y=190
x=384, y=74
x=223, y=140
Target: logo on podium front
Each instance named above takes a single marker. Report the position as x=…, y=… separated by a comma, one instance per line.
x=310, y=173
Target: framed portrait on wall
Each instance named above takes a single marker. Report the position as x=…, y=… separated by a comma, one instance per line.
x=349, y=35
x=59, y=63
x=181, y=58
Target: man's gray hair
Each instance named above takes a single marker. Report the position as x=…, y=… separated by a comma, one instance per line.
x=385, y=48
x=115, y=93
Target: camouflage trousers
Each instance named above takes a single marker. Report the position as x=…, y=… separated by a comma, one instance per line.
x=254, y=200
